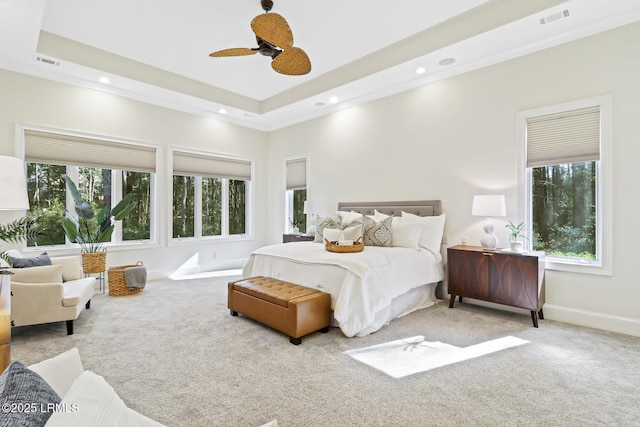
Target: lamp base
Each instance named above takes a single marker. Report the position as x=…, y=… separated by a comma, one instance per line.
x=488, y=241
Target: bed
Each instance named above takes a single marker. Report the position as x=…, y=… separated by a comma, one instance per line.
x=370, y=288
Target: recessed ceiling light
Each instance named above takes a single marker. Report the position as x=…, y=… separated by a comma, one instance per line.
x=333, y=99
x=420, y=70
x=104, y=80
x=222, y=111
x=447, y=61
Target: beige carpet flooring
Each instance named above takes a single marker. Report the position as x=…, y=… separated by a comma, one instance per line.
x=175, y=354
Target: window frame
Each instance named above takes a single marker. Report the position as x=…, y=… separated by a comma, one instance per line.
x=116, y=242
x=288, y=194
x=224, y=236
x=603, y=265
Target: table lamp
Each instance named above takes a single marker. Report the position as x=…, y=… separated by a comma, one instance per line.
x=14, y=184
x=488, y=206
x=307, y=209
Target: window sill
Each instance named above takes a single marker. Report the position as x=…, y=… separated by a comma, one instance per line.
x=592, y=267
x=209, y=239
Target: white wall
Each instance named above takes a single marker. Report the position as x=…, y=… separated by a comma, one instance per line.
x=32, y=101
x=456, y=138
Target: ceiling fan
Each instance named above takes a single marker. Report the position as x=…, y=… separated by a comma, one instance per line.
x=275, y=39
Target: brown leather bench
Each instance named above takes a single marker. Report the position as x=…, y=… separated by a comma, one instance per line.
x=289, y=308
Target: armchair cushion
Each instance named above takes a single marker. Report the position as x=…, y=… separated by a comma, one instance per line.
x=42, y=274
x=77, y=292
x=71, y=267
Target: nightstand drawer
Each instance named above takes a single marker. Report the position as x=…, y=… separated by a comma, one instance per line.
x=287, y=238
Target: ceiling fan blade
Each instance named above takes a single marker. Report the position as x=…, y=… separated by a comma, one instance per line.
x=236, y=51
x=293, y=62
x=273, y=29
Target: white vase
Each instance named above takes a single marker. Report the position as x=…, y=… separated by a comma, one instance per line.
x=295, y=230
x=516, y=246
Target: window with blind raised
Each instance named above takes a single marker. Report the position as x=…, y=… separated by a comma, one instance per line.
x=210, y=195
x=563, y=160
x=104, y=171
x=296, y=194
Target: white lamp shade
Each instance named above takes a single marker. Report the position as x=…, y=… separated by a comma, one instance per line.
x=13, y=184
x=488, y=205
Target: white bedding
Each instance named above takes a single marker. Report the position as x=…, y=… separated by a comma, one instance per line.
x=362, y=285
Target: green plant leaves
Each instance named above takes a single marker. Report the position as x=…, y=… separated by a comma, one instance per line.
x=81, y=231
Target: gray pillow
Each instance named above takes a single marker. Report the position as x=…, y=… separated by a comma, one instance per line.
x=25, y=398
x=37, y=261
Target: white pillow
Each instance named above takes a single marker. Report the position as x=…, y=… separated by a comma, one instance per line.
x=60, y=371
x=91, y=401
x=349, y=217
x=13, y=253
x=378, y=216
x=432, y=229
x=405, y=234
x=350, y=233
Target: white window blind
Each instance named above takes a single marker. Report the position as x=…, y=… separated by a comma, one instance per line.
x=296, y=174
x=210, y=166
x=565, y=137
x=59, y=149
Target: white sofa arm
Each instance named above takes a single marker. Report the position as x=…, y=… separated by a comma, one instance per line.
x=34, y=303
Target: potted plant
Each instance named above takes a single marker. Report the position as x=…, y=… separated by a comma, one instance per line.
x=295, y=226
x=91, y=231
x=14, y=232
x=516, y=231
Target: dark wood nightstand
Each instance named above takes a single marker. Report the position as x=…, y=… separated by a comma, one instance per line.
x=514, y=279
x=286, y=238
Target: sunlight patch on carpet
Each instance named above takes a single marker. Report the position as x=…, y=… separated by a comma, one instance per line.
x=412, y=355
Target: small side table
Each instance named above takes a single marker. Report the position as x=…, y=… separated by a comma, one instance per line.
x=502, y=277
x=287, y=238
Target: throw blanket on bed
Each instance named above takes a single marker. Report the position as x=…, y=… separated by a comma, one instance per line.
x=362, y=285
x=359, y=263
x=135, y=277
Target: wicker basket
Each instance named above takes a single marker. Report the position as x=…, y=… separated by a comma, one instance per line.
x=117, y=285
x=94, y=262
x=357, y=246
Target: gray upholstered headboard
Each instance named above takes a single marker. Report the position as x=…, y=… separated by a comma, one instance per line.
x=420, y=207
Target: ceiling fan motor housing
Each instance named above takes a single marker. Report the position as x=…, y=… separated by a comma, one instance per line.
x=266, y=5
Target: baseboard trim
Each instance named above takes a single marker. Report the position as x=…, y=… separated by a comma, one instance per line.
x=607, y=322
x=591, y=319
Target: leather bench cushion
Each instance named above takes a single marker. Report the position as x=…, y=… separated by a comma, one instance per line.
x=272, y=290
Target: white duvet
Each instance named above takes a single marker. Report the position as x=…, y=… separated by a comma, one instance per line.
x=362, y=285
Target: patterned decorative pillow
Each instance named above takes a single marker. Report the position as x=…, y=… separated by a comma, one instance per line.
x=322, y=223
x=376, y=233
x=19, y=385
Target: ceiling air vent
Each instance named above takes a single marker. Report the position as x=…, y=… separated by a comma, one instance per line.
x=554, y=17
x=47, y=60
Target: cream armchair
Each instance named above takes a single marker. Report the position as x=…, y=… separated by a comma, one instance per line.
x=50, y=293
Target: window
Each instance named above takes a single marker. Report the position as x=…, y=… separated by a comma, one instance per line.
x=296, y=193
x=183, y=206
x=210, y=195
x=566, y=160
x=104, y=172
